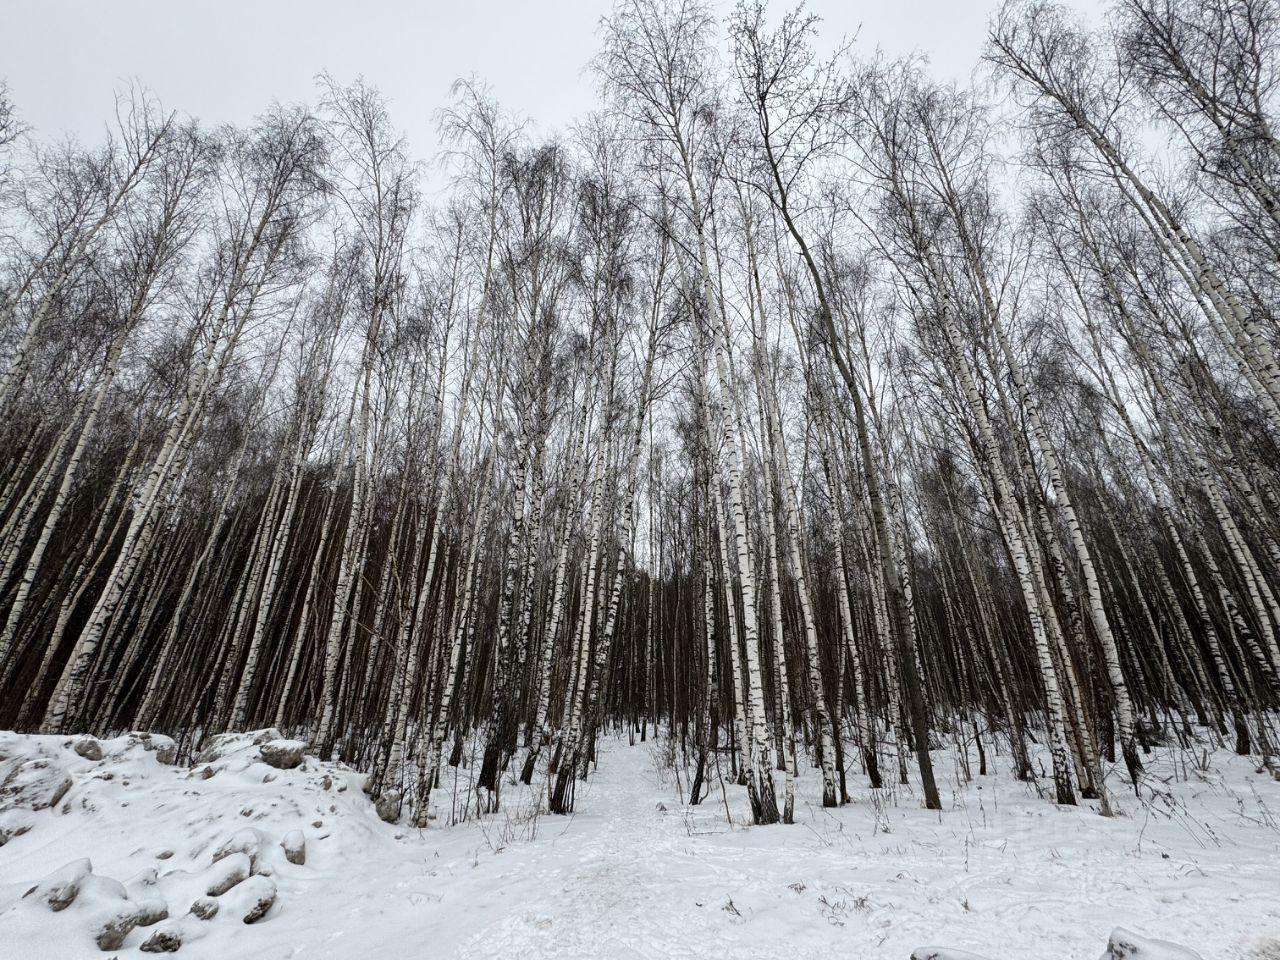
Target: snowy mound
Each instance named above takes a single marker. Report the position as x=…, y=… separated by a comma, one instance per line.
x=218, y=840
x=1126, y=945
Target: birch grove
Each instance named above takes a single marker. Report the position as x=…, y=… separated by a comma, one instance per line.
x=792, y=406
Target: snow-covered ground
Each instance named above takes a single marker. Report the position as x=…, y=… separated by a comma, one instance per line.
x=635, y=873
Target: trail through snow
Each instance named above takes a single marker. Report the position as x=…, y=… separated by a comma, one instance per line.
x=637, y=873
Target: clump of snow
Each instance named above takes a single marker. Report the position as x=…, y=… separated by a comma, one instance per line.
x=635, y=872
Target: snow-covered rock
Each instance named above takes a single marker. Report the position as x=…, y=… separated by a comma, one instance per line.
x=171, y=935
x=60, y=888
x=116, y=924
x=88, y=747
x=218, y=746
x=164, y=749
x=36, y=784
x=204, y=908
x=294, y=845
x=248, y=841
x=167, y=939
x=14, y=822
x=283, y=754
x=151, y=911
x=253, y=899
x=389, y=805
x=240, y=750
x=1127, y=945
x=943, y=953
x=227, y=872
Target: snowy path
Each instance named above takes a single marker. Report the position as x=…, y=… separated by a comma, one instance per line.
x=1000, y=872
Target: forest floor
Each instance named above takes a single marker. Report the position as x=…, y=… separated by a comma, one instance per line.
x=635, y=872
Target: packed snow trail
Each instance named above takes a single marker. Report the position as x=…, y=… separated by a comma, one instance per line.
x=636, y=873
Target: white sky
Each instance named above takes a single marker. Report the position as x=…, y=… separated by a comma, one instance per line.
x=227, y=60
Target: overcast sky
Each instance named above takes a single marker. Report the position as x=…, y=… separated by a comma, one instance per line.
x=227, y=60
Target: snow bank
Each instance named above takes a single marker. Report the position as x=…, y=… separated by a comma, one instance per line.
x=237, y=858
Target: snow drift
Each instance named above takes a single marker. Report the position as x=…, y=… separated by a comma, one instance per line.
x=259, y=850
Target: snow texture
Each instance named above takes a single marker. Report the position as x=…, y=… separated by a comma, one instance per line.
x=234, y=858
